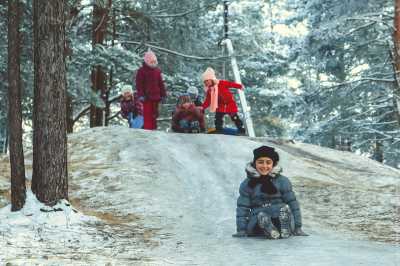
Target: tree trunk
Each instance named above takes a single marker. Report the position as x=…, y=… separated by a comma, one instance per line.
x=3, y=140
x=396, y=42
x=378, y=152
x=70, y=115
x=106, y=99
x=110, y=82
x=98, y=76
x=18, y=189
x=49, y=177
x=6, y=140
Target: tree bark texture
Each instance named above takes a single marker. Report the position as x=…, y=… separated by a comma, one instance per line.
x=396, y=41
x=18, y=189
x=70, y=114
x=49, y=177
x=98, y=75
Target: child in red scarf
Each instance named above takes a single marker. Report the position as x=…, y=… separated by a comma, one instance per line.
x=220, y=99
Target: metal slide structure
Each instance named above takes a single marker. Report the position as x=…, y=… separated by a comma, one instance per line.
x=229, y=47
x=246, y=108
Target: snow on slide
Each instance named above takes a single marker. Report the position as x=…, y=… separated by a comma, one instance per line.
x=183, y=189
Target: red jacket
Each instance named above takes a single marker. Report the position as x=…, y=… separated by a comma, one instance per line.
x=192, y=113
x=226, y=102
x=149, y=83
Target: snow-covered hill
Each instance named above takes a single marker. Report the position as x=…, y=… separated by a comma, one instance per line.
x=154, y=198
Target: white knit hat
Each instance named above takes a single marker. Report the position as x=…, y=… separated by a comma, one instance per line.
x=126, y=88
x=209, y=74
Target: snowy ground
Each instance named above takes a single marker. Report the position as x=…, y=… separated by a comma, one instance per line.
x=152, y=198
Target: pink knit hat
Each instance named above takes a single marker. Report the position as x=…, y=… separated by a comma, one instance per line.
x=149, y=56
x=209, y=74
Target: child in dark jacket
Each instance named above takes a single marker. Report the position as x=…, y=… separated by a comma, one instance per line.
x=266, y=200
x=131, y=108
x=187, y=118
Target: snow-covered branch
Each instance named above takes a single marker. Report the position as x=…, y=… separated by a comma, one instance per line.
x=362, y=80
x=372, y=20
x=178, y=53
x=371, y=130
x=182, y=14
x=360, y=28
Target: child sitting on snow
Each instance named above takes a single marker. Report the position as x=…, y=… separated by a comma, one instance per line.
x=266, y=200
x=131, y=108
x=187, y=118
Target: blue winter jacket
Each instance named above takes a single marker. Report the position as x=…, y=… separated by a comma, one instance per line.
x=252, y=200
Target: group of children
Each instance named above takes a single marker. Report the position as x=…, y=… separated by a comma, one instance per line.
x=266, y=200
x=141, y=108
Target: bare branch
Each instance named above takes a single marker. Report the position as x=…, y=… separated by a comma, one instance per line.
x=113, y=116
x=86, y=109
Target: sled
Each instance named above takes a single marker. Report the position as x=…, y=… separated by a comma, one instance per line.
x=225, y=131
x=256, y=236
x=137, y=122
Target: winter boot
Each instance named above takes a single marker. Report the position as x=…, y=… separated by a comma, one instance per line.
x=239, y=124
x=219, y=122
x=264, y=222
x=284, y=219
x=241, y=131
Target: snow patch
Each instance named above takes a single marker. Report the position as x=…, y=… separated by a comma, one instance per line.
x=177, y=193
x=38, y=214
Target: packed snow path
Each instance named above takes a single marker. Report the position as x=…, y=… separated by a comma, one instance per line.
x=182, y=189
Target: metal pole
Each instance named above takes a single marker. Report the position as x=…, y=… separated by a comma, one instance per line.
x=236, y=74
x=225, y=19
x=224, y=52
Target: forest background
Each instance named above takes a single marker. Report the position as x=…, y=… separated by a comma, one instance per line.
x=318, y=71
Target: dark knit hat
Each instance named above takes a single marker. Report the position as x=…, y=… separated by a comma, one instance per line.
x=265, y=151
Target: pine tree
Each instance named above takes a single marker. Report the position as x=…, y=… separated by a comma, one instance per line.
x=49, y=177
x=18, y=190
x=98, y=75
x=396, y=41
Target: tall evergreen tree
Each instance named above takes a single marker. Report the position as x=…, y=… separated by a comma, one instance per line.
x=396, y=41
x=101, y=14
x=49, y=177
x=18, y=190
